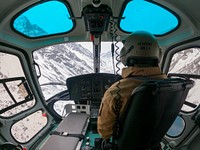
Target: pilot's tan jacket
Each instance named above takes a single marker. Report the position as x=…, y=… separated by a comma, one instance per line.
x=127, y=84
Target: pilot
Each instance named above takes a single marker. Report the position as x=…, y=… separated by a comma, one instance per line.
x=140, y=55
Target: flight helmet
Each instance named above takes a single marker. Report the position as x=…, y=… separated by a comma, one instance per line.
x=140, y=48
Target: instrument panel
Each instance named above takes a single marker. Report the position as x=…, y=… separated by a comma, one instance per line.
x=89, y=86
x=89, y=89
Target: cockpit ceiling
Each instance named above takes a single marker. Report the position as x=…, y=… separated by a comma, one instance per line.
x=77, y=24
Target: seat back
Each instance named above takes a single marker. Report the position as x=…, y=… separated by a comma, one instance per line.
x=150, y=112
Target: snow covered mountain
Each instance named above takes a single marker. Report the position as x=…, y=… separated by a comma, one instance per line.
x=64, y=60
x=23, y=25
x=186, y=62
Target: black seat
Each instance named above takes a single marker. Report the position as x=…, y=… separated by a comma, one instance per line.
x=151, y=111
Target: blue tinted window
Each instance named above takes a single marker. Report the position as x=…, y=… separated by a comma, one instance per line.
x=143, y=15
x=44, y=19
x=177, y=127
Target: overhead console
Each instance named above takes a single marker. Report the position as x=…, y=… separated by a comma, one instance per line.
x=96, y=18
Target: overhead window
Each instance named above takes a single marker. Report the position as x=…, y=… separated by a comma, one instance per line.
x=144, y=15
x=44, y=19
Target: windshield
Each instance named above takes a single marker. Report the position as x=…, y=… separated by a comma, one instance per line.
x=59, y=62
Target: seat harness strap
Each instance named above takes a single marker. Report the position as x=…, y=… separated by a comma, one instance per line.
x=67, y=134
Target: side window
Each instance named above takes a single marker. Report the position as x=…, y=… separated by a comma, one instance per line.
x=177, y=127
x=15, y=94
x=28, y=127
x=16, y=98
x=187, y=62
